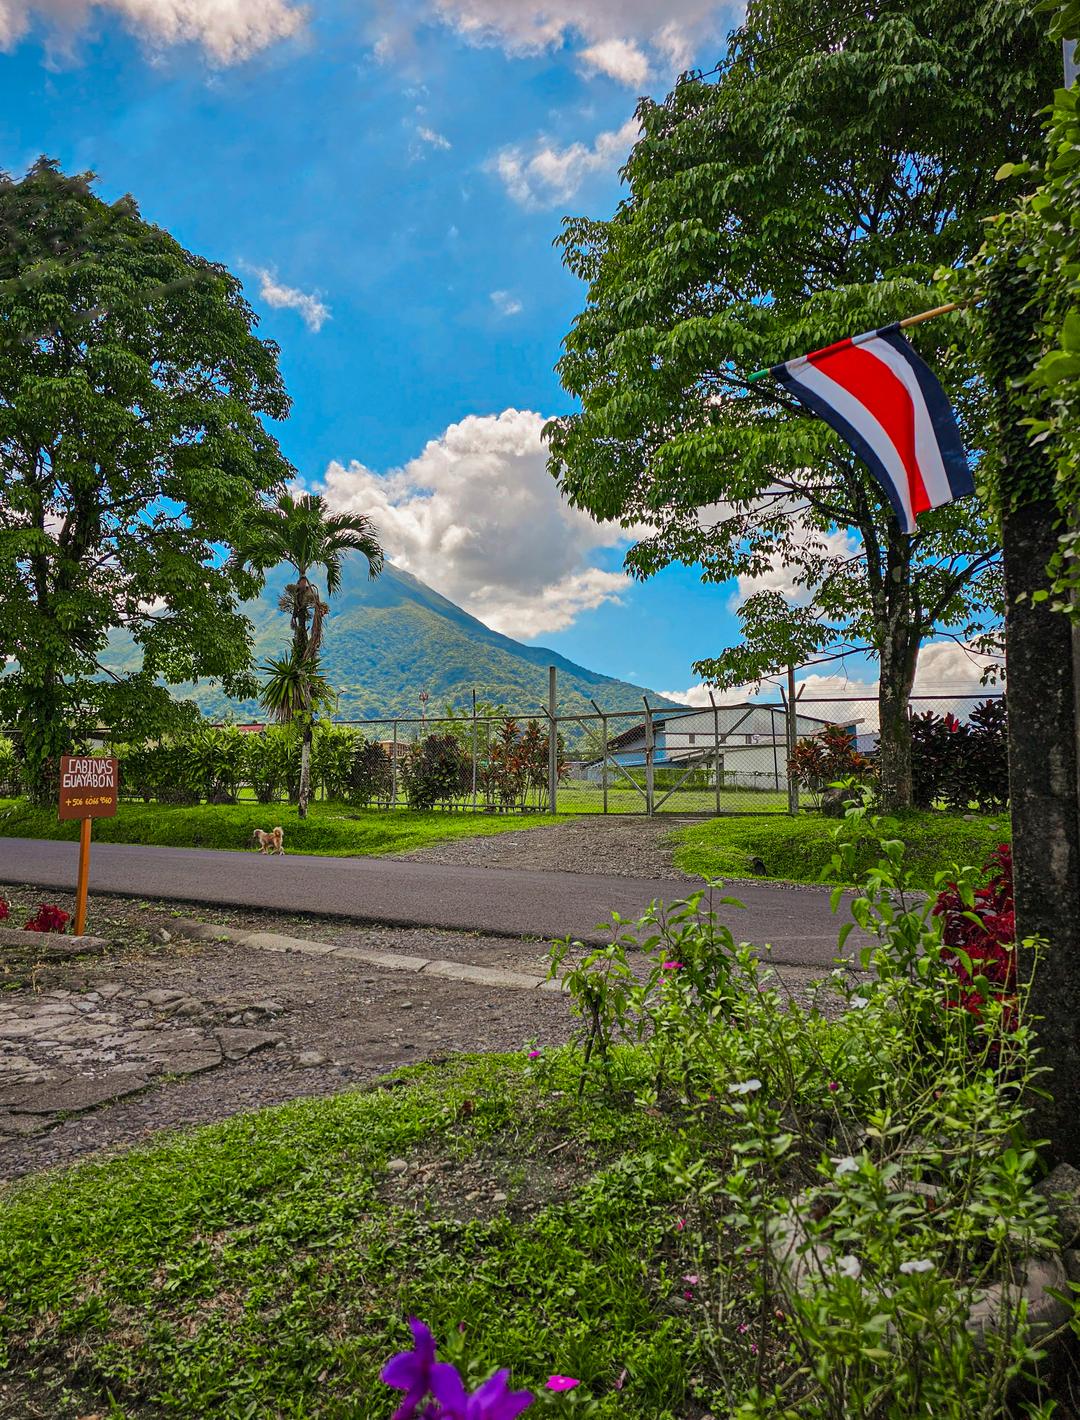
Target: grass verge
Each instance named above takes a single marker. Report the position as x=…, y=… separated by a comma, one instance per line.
x=266, y=1266
x=333, y=830
x=798, y=850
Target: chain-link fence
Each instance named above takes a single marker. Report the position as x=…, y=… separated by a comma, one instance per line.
x=720, y=758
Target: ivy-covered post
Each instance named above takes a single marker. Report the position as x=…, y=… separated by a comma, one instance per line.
x=1044, y=772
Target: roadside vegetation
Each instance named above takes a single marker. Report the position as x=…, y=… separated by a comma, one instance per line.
x=671, y=1218
x=799, y=850
x=334, y=829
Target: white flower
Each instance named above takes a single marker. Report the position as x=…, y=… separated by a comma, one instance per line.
x=848, y=1165
x=921, y=1264
x=745, y=1087
x=858, y=1002
x=850, y=1266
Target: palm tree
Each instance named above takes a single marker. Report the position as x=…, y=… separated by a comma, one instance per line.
x=294, y=692
x=305, y=534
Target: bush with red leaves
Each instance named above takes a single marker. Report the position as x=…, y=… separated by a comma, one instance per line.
x=5, y=910
x=985, y=933
x=50, y=918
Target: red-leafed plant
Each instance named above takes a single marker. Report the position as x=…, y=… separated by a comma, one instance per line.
x=982, y=932
x=5, y=909
x=50, y=918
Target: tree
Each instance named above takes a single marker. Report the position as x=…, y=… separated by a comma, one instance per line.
x=842, y=155
x=294, y=692
x=132, y=449
x=301, y=532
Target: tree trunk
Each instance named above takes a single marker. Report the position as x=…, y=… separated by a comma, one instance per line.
x=894, y=728
x=1044, y=778
x=305, y=771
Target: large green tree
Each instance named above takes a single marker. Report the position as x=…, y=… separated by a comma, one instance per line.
x=132, y=450
x=807, y=190
x=302, y=532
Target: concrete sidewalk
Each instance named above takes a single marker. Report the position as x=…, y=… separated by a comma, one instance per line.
x=796, y=921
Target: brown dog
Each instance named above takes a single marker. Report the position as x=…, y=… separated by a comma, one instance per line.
x=272, y=842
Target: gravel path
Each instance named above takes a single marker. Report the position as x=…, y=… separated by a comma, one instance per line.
x=162, y=1032
x=624, y=846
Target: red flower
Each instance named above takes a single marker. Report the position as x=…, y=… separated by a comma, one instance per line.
x=50, y=918
x=986, y=934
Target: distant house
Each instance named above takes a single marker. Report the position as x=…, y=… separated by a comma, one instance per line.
x=746, y=744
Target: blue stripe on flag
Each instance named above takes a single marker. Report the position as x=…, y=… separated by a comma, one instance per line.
x=942, y=418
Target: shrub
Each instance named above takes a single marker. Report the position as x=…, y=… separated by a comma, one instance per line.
x=333, y=749
x=980, y=926
x=10, y=780
x=50, y=918
x=371, y=776
x=5, y=909
x=436, y=771
x=267, y=758
x=825, y=758
x=958, y=764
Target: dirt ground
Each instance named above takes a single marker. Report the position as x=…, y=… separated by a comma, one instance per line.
x=160, y=1031
x=626, y=846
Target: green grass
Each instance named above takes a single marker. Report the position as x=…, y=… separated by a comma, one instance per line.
x=335, y=830
x=266, y=1266
x=798, y=850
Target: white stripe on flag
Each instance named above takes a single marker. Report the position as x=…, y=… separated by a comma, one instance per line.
x=860, y=418
x=927, y=451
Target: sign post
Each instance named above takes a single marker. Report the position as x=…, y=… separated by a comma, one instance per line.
x=88, y=790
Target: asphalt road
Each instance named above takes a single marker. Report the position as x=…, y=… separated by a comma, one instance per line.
x=499, y=901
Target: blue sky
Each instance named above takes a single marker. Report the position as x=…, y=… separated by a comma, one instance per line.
x=387, y=177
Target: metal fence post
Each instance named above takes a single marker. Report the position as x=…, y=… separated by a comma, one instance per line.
x=393, y=770
x=792, y=740
x=474, y=749
x=553, y=741
x=717, y=771
x=603, y=772
x=650, y=742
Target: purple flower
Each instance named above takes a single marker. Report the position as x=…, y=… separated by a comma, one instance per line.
x=417, y=1373
x=561, y=1382
x=410, y=1371
x=672, y=966
x=533, y=1054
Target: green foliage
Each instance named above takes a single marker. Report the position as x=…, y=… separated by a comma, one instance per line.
x=1029, y=268
x=333, y=750
x=271, y=759
x=799, y=849
x=371, y=779
x=132, y=395
x=436, y=771
x=10, y=781
x=811, y=191
x=877, y=1179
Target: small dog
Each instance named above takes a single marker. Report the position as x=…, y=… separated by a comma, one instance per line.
x=272, y=842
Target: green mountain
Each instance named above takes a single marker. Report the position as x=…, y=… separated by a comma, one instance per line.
x=387, y=640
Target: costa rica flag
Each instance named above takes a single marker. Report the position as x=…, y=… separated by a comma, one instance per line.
x=886, y=402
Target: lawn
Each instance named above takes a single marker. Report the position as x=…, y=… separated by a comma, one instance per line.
x=798, y=850
x=336, y=830
x=266, y=1266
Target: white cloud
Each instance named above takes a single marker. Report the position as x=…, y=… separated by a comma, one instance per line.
x=314, y=312
x=506, y=304
x=229, y=30
x=550, y=175
x=432, y=138
x=698, y=695
x=619, y=59
x=478, y=517
x=531, y=26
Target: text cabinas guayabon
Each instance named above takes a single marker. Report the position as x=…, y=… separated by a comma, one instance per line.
x=89, y=774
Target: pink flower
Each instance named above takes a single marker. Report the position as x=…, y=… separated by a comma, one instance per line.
x=753, y=1348
x=691, y=1278
x=834, y=1085
x=688, y=1295
x=673, y=966
x=533, y=1054
x=743, y=1328
x=680, y=1223
x=561, y=1382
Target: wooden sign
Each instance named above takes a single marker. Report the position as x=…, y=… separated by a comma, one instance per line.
x=88, y=786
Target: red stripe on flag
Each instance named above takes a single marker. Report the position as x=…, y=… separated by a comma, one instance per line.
x=885, y=397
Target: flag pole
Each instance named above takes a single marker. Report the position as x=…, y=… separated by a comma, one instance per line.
x=903, y=325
